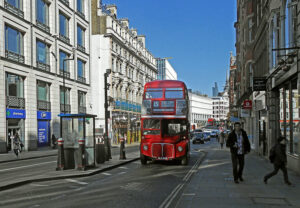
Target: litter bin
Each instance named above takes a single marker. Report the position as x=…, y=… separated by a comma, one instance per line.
x=69, y=158
x=100, y=150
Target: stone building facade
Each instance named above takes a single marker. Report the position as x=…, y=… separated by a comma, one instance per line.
x=121, y=49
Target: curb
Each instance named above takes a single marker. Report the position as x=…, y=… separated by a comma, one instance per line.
x=80, y=175
x=28, y=158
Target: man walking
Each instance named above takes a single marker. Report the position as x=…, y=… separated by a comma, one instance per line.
x=221, y=139
x=278, y=157
x=239, y=145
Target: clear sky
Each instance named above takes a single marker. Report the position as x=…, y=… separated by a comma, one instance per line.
x=198, y=34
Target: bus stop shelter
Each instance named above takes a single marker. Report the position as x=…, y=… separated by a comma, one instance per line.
x=75, y=127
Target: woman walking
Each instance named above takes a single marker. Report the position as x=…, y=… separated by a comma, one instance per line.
x=17, y=144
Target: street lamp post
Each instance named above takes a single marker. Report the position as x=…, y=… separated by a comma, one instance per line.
x=107, y=146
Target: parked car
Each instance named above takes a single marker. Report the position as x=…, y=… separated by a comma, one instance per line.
x=198, y=138
x=214, y=133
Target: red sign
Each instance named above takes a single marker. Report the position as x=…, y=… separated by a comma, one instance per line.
x=247, y=104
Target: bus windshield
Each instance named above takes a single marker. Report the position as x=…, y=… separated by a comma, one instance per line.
x=151, y=127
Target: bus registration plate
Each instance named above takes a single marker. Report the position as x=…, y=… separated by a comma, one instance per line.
x=162, y=158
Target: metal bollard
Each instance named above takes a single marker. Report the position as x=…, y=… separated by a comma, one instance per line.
x=122, y=149
x=61, y=156
x=81, y=156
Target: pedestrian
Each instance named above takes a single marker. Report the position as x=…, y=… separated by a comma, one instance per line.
x=53, y=138
x=222, y=139
x=239, y=145
x=279, y=159
x=16, y=144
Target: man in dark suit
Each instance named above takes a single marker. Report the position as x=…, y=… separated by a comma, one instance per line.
x=239, y=145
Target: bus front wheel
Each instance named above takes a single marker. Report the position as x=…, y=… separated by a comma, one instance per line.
x=185, y=160
x=143, y=159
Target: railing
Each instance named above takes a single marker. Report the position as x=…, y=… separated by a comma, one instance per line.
x=64, y=73
x=64, y=38
x=13, y=9
x=80, y=14
x=15, y=102
x=42, y=66
x=81, y=48
x=14, y=56
x=66, y=2
x=67, y=108
x=44, y=105
x=81, y=79
x=42, y=26
x=81, y=109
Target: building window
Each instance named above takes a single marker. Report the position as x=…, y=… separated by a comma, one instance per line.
x=14, y=45
x=64, y=28
x=64, y=68
x=290, y=23
x=42, y=55
x=15, y=91
x=43, y=96
x=80, y=7
x=42, y=15
x=81, y=102
x=80, y=71
x=65, y=100
x=14, y=6
x=80, y=38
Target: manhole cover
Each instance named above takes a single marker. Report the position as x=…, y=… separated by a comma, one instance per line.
x=270, y=201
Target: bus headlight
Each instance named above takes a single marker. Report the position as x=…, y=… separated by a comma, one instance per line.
x=180, y=149
x=145, y=147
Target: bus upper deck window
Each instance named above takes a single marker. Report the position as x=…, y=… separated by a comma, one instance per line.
x=153, y=93
x=173, y=93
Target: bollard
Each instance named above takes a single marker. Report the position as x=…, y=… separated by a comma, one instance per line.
x=81, y=154
x=61, y=156
x=122, y=149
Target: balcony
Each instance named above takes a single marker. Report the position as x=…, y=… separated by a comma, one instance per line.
x=15, y=102
x=42, y=26
x=65, y=73
x=64, y=38
x=80, y=48
x=81, y=79
x=43, y=105
x=81, y=109
x=13, y=9
x=42, y=66
x=14, y=56
x=66, y=2
x=67, y=108
x=80, y=14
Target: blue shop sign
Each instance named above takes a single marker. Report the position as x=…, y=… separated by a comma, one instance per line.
x=43, y=115
x=15, y=113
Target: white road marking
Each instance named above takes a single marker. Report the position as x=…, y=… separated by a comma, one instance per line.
x=25, y=166
x=107, y=174
x=75, y=181
x=123, y=167
x=122, y=173
x=166, y=203
x=40, y=185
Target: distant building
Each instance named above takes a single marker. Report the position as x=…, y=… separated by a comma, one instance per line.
x=200, y=109
x=215, y=90
x=165, y=70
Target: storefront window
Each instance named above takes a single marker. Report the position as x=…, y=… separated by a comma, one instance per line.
x=289, y=116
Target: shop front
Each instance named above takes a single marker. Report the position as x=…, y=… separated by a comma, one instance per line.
x=15, y=123
x=44, y=137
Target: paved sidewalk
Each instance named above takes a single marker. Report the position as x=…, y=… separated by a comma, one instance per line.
x=44, y=152
x=213, y=186
x=51, y=174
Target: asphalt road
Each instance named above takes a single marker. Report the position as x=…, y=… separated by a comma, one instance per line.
x=133, y=185
x=17, y=169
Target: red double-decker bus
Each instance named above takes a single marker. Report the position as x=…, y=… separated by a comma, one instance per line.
x=165, y=122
